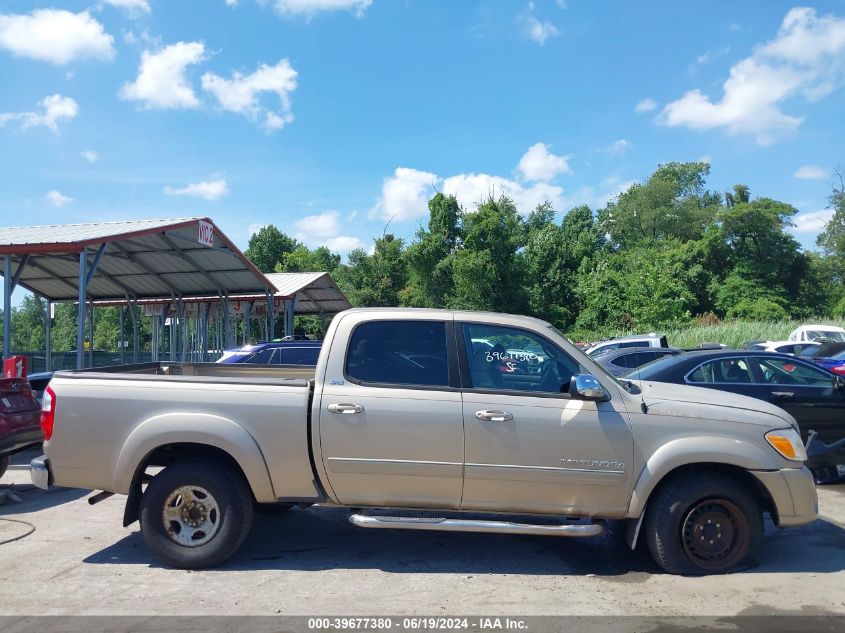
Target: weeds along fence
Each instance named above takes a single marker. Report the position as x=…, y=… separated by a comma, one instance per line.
x=731, y=333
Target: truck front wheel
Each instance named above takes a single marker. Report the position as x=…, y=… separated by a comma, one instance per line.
x=704, y=523
x=196, y=514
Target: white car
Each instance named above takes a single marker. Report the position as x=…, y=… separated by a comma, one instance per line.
x=642, y=340
x=785, y=347
x=816, y=333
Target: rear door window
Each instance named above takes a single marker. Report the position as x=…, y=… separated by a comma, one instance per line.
x=777, y=371
x=399, y=353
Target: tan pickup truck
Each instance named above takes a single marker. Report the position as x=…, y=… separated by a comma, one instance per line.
x=432, y=420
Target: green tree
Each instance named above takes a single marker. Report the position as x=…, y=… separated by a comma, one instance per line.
x=431, y=258
x=302, y=259
x=377, y=279
x=267, y=248
x=671, y=204
x=488, y=270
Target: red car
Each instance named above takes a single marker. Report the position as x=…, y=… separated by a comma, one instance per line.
x=20, y=419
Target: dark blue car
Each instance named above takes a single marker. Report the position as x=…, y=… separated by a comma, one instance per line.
x=831, y=356
x=275, y=353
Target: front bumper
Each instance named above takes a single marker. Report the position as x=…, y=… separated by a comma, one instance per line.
x=39, y=471
x=793, y=491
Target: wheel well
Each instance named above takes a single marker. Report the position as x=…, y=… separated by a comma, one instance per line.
x=754, y=486
x=165, y=455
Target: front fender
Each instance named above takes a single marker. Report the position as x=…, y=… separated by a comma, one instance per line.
x=194, y=428
x=695, y=450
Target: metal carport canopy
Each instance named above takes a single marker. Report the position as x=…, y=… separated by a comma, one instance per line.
x=140, y=259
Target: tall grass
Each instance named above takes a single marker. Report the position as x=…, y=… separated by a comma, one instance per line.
x=731, y=333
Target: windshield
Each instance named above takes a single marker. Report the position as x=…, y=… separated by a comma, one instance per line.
x=830, y=335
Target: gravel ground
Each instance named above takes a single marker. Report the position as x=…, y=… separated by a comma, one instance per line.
x=80, y=561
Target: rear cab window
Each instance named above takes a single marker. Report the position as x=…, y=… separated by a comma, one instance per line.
x=400, y=352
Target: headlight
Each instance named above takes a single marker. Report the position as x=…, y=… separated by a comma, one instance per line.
x=788, y=443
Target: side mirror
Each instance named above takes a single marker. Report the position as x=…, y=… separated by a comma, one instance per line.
x=586, y=387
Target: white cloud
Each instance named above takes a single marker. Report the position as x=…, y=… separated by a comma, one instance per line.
x=323, y=229
x=207, y=189
x=231, y=3
x=810, y=172
x=538, y=31
x=646, y=105
x=55, y=36
x=90, y=155
x=162, y=80
x=618, y=147
x=404, y=195
x=310, y=8
x=255, y=227
x=804, y=59
x=133, y=6
x=472, y=189
x=57, y=199
x=538, y=163
x=55, y=108
x=241, y=93
x=812, y=222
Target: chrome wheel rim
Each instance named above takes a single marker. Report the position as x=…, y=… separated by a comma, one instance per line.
x=191, y=516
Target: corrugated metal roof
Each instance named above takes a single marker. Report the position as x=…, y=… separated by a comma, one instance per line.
x=315, y=292
x=22, y=237
x=143, y=259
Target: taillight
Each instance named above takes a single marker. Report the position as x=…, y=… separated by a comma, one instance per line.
x=840, y=370
x=48, y=412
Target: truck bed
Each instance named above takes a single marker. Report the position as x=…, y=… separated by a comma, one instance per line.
x=240, y=372
x=112, y=417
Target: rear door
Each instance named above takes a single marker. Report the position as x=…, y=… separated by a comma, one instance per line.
x=529, y=446
x=391, y=426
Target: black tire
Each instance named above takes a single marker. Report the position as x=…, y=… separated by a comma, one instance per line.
x=704, y=523
x=226, y=505
x=4, y=464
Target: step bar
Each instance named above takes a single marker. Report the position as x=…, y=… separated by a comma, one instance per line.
x=474, y=525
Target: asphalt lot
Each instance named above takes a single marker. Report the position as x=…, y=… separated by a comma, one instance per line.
x=80, y=560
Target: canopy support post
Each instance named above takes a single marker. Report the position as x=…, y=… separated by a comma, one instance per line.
x=121, y=342
x=81, y=308
x=7, y=306
x=48, y=336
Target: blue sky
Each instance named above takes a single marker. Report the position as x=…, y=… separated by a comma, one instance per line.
x=330, y=118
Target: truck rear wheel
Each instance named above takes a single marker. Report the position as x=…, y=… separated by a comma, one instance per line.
x=704, y=523
x=196, y=514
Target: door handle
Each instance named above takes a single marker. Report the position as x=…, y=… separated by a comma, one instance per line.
x=783, y=395
x=493, y=416
x=346, y=408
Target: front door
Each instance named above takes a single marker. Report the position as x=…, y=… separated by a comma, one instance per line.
x=391, y=428
x=530, y=447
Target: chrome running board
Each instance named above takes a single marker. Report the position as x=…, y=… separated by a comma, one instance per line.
x=474, y=525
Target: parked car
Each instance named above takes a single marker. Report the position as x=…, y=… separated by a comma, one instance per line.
x=813, y=396
x=642, y=340
x=296, y=352
x=833, y=361
x=449, y=445
x=783, y=347
x=20, y=415
x=621, y=361
x=821, y=333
